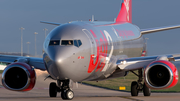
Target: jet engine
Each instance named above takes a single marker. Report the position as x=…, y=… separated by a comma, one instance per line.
x=19, y=77
x=161, y=74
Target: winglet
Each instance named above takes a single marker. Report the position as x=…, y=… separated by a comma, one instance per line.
x=125, y=14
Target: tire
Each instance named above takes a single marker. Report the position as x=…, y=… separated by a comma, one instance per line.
x=146, y=90
x=69, y=94
x=134, y=88
x=63, y=95
x=52, y=89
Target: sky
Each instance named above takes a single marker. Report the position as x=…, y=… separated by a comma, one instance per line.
x=28, y=14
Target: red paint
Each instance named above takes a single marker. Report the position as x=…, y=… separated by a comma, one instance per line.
x=173, y=69
x=101, y=53
x=93, y=65
x=81, y=57
x=94, y=35
x=125, y=33
x=106, y=43
x=125, y=14
x=31, y=72
x=143, y=54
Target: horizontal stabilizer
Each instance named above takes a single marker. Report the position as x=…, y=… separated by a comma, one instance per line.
x=157, y=29
x=51, y=23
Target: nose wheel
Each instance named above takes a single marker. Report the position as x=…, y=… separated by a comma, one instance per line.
x=63, y=87
x=67, y=94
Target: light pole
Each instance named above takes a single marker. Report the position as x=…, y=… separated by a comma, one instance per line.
x=35, y=43
x=28, y=46
x=22, y=40
x=45, y=29
x=146, y=40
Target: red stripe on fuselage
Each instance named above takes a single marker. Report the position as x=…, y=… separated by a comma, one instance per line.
x=93, y=65
x=94, y=35
x=101, y=53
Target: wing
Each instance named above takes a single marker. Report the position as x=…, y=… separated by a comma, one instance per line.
x=157, y=29
x=51, y=23
x=142, y=62
x=32, y=61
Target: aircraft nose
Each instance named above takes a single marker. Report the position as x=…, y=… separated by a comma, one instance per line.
x=57, y=55
x=61, y=59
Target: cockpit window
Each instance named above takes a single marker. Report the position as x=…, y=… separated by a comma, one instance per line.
x=54, y=42
x=77, y=43
x=67, y=42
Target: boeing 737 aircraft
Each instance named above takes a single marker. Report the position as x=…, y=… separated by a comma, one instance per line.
x=93, y=51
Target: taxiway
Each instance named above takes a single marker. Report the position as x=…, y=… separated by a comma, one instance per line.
x=82, y=93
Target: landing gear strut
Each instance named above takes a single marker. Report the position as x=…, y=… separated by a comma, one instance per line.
x=63, y=87
x=137, y=86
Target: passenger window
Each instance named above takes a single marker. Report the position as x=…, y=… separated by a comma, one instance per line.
x=54, y=42
x=67, y=42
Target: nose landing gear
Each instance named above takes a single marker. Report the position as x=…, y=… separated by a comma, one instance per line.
x=63, y=87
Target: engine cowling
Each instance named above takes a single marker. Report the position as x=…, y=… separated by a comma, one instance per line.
x=18, y=77
x=161, y=74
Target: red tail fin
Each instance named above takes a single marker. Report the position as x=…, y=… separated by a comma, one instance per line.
x=125, y=14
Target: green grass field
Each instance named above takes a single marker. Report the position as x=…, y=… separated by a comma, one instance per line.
x=1, y=71
x=126, y=82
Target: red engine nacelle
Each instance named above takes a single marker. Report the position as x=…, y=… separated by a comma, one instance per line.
x=161, y=74
x=19, y=77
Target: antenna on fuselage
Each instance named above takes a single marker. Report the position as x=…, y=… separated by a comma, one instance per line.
x=92, y=18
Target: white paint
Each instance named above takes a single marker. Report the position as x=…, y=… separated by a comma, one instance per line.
x=116, y=32
x=109, y=39
x=126, y=3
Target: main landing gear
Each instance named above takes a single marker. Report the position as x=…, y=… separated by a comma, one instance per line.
x=63, y=87
x=137, y=86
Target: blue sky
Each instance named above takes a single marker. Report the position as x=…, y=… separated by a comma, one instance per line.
x=28, y=13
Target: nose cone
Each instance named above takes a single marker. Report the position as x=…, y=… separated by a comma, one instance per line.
x=59, y=59
x=63, y=61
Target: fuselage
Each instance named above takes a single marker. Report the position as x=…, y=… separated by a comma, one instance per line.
x=89, y=50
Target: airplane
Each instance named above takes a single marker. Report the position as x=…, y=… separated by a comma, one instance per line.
x=93, y=51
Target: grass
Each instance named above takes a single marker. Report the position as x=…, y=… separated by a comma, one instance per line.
x=1, y=71
x=126, y=82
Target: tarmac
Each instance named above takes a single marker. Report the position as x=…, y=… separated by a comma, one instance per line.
x=82, y=93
